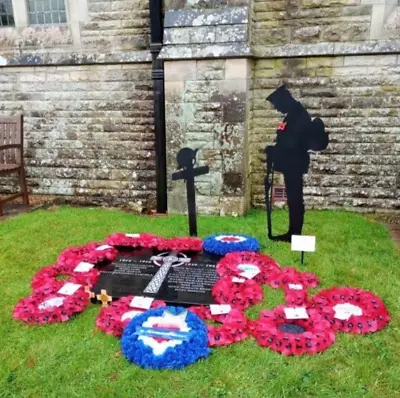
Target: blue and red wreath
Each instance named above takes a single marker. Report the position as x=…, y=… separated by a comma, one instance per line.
x=222, y=244
x=352, y=310
x=165, y=338
x=293, y=336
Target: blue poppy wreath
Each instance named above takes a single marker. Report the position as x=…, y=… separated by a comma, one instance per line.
x=222, y=244
x=165, y=338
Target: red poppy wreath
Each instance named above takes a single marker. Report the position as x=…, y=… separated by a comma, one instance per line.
x=240, y=293
x=293, y=331
x=250, y=265
x=114, y=318
x=292, y=279
x=52, y=303
x=147, y=241
x=49, y=275
x=352, y=310
x=296, y=297
x=93, y=253
x=233, y=325
x=180, y=244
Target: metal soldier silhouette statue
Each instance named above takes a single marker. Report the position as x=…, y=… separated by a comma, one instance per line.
x=186, y=159
x=296, y=135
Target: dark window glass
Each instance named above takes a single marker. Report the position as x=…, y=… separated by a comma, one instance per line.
x=6, y=13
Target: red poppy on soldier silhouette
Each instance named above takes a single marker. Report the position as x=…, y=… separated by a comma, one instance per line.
x=281, y=126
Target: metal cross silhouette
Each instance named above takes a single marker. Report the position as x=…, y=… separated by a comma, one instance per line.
x=186, y=160
x=168, y=261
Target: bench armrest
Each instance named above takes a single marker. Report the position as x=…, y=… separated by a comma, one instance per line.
x=10, y=146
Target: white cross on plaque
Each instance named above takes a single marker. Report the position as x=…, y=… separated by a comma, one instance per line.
x=168, y=261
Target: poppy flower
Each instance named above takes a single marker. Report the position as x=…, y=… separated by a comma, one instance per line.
x=351, y=310
x=233, y=326
x=310, y=335
x=261, y=266
x=114, y=318
x=240, y=293
x=282, y=126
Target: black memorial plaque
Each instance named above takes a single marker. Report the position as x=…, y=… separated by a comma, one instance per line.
x=188, y=281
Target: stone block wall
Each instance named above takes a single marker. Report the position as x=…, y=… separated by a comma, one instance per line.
x=86, y=93
x=93, y=27
x=309, y=21
x=117, y=25
x=88, y=130
x=207, y=105
x=358, y=97
x=207, y=33
x=336, y=59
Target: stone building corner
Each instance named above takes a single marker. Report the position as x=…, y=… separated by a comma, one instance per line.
x=208, y=98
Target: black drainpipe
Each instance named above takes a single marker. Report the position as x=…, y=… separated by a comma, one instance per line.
x=156, y=34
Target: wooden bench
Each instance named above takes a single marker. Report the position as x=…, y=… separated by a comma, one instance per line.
x=12, y=156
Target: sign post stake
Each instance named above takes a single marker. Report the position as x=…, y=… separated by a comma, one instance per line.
x=302, y=243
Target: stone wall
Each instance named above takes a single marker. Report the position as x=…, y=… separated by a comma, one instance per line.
x=206, y=106
x=313, y=46
x=88, y=130
x=86, y=93
x=208, y=101
x=207, y=33
x=117, y=25
x=93, y=27
x=309, y=21
x=358, y=97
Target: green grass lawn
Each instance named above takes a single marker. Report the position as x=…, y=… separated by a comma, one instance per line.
x=76, y=360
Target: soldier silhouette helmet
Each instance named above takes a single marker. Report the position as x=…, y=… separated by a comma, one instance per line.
x=186, y=158
x=281, y=99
